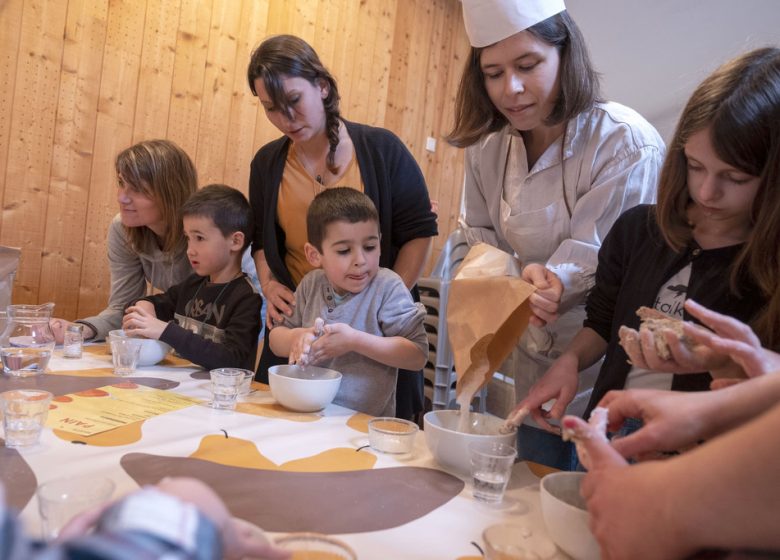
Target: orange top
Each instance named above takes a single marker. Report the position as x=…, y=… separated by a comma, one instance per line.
x=296, y=192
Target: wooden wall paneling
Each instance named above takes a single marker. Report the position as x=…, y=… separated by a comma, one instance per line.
x=325, y=31
x=341, y=66
x=264, y=131
x=399, y=68
x=133, y=69
x=358, y=66
x=74, y=138
x=243, y=109
x=10, y=35
x=376, y=103
x=414, y=98
x=430, y=101
x=280, y=17
x=156, y=73
x=189, y=70
x=30, y=140
x=220, y=66
x=453, y=159
x=113, y=133
x=304, y=19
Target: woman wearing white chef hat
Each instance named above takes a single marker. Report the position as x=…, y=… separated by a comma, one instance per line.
x=549, y=167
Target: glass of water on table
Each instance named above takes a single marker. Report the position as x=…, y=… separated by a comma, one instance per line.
x=491, y=467
x=225, y=386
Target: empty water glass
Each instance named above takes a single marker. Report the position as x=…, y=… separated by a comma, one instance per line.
x=61, y=499
x=125, y=353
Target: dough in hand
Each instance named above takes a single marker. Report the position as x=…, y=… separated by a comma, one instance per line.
x=655, y=321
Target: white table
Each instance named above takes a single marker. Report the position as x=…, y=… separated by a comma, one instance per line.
x=444, y=533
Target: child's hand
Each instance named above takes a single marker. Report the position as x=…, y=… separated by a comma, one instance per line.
x=301, y=344
x=337, y=340
x=139, y=321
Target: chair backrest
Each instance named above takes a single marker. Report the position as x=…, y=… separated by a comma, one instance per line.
x=452, y=254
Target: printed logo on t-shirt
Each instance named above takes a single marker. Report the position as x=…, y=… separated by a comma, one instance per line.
x=671, y=297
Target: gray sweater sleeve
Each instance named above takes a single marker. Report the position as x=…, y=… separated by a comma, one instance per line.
x=128, y=281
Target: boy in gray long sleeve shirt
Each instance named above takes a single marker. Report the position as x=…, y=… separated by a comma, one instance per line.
x=372, y=326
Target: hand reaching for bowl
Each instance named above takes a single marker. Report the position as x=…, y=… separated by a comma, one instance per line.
x=629, y=506
x=140, y=320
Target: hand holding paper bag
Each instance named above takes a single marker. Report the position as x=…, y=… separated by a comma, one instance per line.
x=487, y=312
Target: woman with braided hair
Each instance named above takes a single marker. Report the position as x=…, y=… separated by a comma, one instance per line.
x=321, y=150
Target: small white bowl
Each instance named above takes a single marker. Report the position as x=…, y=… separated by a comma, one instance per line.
x=303, y=389
x=450, y=447
x=565, y=515
x=152, y=351
x=391, y=435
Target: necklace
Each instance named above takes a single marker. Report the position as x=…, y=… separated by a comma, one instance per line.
x=311, y=170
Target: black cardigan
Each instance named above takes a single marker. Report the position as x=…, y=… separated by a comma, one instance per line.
x=391, y=178
x=634, y=263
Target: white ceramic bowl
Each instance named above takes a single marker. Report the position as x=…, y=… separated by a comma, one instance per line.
x=301, y=389
x=152, y=351
x=450, y=447
x=565, y=516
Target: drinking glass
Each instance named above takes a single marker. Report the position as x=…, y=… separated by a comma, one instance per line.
x=125, y=353
x=24, y=414
x=225, y=385
x=491, y=467
x=61, y=499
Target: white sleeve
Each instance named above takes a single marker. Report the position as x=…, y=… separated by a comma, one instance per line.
x=477, y=222
x=621, y=185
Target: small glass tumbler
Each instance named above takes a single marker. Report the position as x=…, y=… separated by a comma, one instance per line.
x=125, y=353
x=24, y=415
x=61, y=499
x=73, y=339
x=225, y=386
x=491, y=467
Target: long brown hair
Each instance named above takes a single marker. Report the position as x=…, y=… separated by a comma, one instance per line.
x=475, y=114
x=285, y=56
x=164, y=172
x=740, y=104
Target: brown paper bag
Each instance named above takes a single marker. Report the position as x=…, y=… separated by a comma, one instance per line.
x=487, y=312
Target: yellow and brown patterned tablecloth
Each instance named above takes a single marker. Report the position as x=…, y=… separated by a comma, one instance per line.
x=281, y=470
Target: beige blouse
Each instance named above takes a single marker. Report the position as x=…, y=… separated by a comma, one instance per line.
x=296, y=192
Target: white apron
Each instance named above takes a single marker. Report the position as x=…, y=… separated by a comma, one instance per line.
x=534, y=235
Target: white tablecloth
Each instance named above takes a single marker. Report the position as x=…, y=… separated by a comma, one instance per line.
x=444, y=533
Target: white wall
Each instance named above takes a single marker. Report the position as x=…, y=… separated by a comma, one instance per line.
x=653, y=53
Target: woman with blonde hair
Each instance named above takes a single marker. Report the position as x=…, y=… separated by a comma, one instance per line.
x=146, y=243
